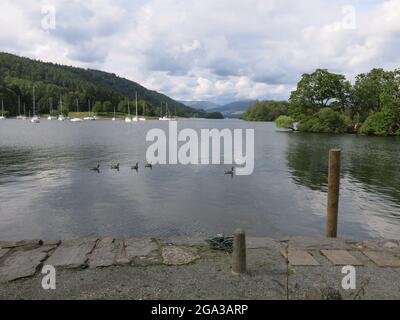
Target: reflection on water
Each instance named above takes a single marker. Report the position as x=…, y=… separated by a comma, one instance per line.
x=372, y=163
x=47, y=190
x=370, y=186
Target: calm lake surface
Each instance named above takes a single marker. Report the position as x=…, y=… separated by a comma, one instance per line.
x=47, y=190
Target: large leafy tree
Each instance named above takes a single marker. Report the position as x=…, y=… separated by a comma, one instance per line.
x=367, y=92
x=318, y=90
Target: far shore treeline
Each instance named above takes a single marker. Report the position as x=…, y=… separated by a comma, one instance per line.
x=75, y=86
x=326, y=102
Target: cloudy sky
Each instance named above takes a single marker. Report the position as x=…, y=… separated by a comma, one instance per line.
x=217, y=50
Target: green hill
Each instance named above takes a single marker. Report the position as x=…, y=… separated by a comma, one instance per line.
x=105, y=90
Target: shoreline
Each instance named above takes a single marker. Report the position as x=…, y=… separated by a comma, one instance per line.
x=297, y=267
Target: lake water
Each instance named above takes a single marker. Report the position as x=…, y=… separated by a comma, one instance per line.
x=47, y=190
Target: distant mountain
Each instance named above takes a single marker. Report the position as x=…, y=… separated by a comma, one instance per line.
x=205, y=105
x=230, y=110
x=18, y=76
x=233, y=109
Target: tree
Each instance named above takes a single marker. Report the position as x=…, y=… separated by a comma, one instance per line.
x=123, y=106
x=98, y=107
x=265, y=110
x=324, y=121
x=285, y=122
x=319, y=90
x=376, y=124
x=107, y=106
x=366, y=95
x=215, y=115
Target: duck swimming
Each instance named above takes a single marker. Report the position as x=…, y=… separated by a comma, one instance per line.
x=96, y=168
x=231, y=172
x=136, y=167
x=115, y=167
x=149, y=165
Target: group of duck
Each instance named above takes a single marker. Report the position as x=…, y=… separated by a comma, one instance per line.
x=117, y=166
x=150, y=166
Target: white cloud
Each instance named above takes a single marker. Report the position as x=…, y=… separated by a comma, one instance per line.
x=219, y=50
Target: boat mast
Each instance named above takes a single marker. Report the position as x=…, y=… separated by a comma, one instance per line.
x=34, y=102
x=136, y=105
x=19, y=105
x=2, y=108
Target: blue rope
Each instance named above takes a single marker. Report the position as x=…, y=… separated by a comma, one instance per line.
x=221, y=243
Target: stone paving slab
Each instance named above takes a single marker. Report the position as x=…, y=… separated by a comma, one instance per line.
x=3, y=252
x=318, y=243
x=104, y=254
x=25, y=244
x=380, y=245
x=72, y=253
x=382, y=259
x=341, y=258
x=121, y=258
x=142, y=252
x=300, y=258
x=139, y=247
x=176, y=256
x=22, y=264
x=372, y=282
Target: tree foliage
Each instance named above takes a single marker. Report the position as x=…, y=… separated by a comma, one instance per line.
x=285, y=122
x=327, y=102
x=266, y=110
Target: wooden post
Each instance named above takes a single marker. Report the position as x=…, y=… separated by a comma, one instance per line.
x=239, y=252
x=333, y=193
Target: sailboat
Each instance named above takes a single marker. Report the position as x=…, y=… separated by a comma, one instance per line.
x=19, y=117
x=143, y=117
x=113, y=119
x=50, y=117
x=77, y=111
x=90, y=117
x=165, y=118
x=136, y=119
x=24, y=116
x=61, y=116
x=35, y=118
x=2, y=117
x=128, y=118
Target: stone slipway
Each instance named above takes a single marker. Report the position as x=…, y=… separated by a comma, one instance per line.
x=185, y=268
